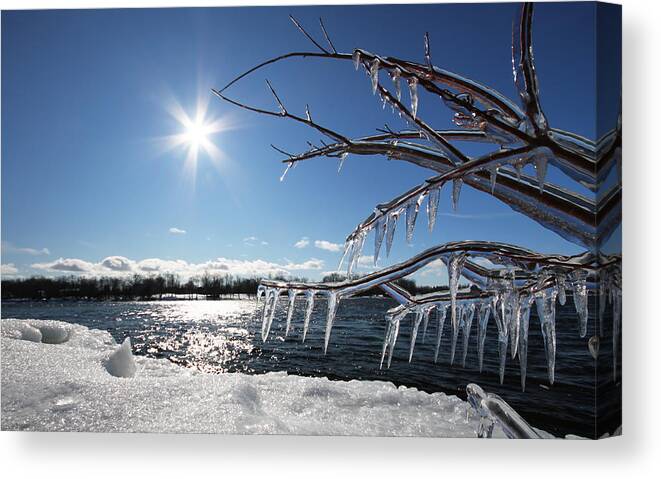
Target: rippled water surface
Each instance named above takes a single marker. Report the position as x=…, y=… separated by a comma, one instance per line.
x=224, y=336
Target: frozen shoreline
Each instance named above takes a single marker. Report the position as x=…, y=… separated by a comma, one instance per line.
x=67, y=387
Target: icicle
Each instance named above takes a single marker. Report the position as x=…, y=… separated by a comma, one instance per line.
x=261, y=289
x=386, y=342
x=524, y=320
x=374, y=74
x=390, y=230
x=396, y=79
x=393, y=340
x=593, y=346
x=290, y=311
x=413, y=91
x=343, y=156
x=503, y=332
x=412, y=209
x=432, y=206
x=485, y=312
x=282, y=178
x=560, y=281
x=518, y=166
x=580, y=293
x=455, y=264
x=356, y=59
x=541, y=163
x=513, y=318
x=330, y=317
x=617, y=316
x=272, y=297
x=414, y=332
x=456, y=190
x=348, y=246
x=309, y=306
x=425, y=321
x=379, y=232
x=441, y=313
x=604, y=291
x=357, y=251
x=469, y=313
x=493, y=176
x=545, y=301
x=456, y=326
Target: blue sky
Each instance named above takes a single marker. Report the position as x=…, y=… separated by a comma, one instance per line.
x=85, y=102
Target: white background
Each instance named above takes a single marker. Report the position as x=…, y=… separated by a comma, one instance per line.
x=638, y=451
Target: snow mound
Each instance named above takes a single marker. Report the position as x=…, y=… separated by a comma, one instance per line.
x=72, y=386
x=121, y=363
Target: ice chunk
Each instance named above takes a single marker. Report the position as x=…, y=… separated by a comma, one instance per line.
x=121, y=363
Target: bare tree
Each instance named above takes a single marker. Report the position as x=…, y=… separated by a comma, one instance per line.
x=520, y=135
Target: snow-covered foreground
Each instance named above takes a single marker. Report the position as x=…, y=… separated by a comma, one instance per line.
x=57, y=377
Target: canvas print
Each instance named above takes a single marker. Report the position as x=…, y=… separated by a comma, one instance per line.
x=378, y=220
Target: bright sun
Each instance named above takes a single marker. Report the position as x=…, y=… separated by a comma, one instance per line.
x=196, y=135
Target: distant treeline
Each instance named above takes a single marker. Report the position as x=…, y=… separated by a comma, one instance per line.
x=139, y=287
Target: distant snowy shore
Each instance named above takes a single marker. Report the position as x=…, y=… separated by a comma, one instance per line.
x=58, y=376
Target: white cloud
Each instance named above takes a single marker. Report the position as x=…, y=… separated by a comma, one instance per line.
x=328, y=246
x=302, y=243
x=253, y=241
x=122, y=266
x=69, y=265
x=117, y=263
x=8, y=247
x=176, y=231
x=8, y=269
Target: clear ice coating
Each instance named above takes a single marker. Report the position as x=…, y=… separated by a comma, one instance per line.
x=413, y=92
x=374, y=74
x=290, y=310
x=309, y=306
x=456, y=190
x=432, y=206
x=545, y=301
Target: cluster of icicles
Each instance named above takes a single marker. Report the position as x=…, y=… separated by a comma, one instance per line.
x=463, y=116
x=509, y=307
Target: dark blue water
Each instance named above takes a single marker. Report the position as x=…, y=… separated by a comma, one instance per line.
x=224, y=336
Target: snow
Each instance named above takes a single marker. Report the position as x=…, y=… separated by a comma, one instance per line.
x=68, y=387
